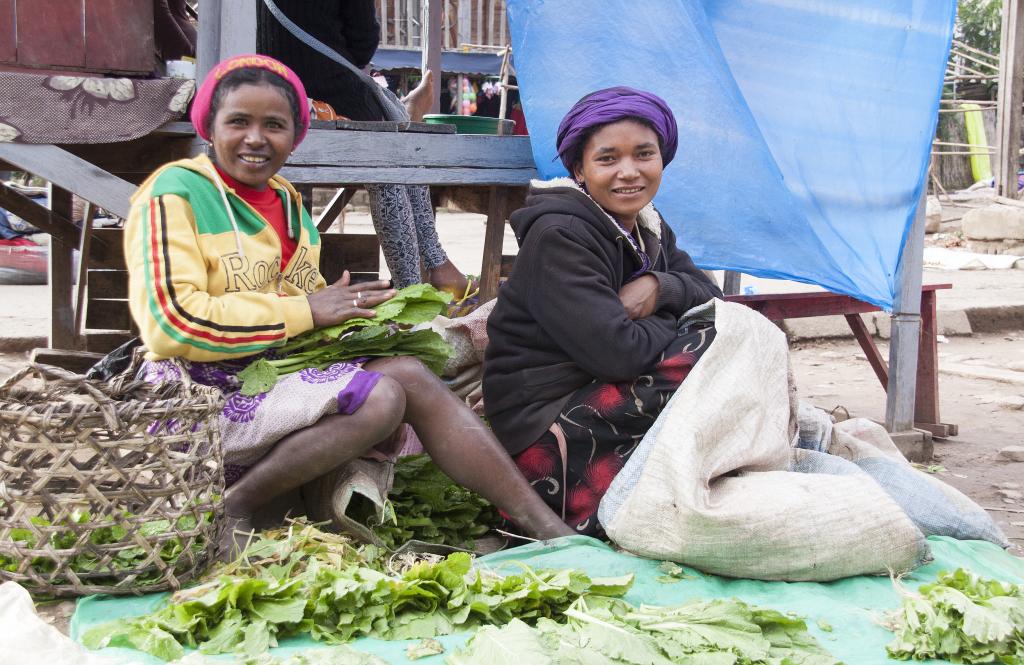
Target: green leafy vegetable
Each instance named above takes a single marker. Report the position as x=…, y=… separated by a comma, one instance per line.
x=603, y=631
x=962, y=618
x=673, y=572
x=387, y=334
x=301, y=580
x=428, y=505
x=102, y=557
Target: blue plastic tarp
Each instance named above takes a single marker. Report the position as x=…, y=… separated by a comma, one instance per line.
x=805, y=125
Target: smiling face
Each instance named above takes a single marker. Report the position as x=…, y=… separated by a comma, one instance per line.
x=621, y=168
x=253, y=133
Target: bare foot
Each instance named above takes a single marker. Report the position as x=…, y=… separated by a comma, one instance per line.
x=421, y=98
x=446, y=277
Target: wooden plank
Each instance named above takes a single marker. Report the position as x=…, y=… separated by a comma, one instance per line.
x=926, y=404
x=78, y=362
x=51, y=33
x=381, y=149
x=339, y=176
x=8, y=32
x=107, y=314
x=494, y=236
x=72, y=173
x=334, y=208
x=106, y=341
x=1011, y=95
x=38, y=215
x=112, y=256
x=357, y=253
x=780, y=306
x=731, y=287
x=134, y=160
x=83, y=268
x=106, y=283
x=62, y=316
x=867, y=344
x=119, y=36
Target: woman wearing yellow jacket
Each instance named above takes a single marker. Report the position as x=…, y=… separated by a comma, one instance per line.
x=223, y=264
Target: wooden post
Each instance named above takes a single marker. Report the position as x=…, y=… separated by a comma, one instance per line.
x=84, y=245
x=1011, y=95
x=906, y=329
x=731, y=282
x=238, y=27
x=208, y=49
x=431, y=42
x=494, y=238
x=62, y=316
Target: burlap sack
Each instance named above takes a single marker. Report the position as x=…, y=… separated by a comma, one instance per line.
x=709, y=484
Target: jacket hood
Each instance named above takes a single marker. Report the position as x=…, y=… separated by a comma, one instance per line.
x=202, y=165
x=564, y=196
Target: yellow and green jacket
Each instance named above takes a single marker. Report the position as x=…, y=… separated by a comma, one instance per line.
x=204, y=268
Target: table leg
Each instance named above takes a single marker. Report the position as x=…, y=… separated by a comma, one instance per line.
x=867, y=344
x=926, y=404
x=490, y=273
x=62, y=316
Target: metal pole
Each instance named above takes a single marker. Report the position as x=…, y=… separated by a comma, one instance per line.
x=906, y=328
x=238, y=27
x=208, y=51
x=431, y=42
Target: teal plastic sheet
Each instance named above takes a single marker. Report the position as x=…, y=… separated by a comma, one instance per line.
x=805, y=125
x=850, y=606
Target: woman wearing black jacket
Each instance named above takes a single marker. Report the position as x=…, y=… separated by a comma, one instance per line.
x=584, y=346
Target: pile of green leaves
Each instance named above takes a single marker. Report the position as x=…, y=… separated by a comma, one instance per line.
x=387, y=334
x=962, y=618
x=425, y=504
x=606, y=632
x=90, y=562
x=341, y=594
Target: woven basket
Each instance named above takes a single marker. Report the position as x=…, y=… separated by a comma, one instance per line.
x=107, y=487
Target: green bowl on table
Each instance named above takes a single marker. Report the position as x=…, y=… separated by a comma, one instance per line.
x=466, y=124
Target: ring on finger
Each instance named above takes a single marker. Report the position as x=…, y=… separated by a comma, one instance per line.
x=359, y=296
x=355, y=303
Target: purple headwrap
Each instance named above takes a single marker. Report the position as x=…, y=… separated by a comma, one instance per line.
x=611, y=105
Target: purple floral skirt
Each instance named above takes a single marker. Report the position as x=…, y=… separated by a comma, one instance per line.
x=251, y=426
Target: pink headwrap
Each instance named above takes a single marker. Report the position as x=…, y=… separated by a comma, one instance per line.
x=204, y=97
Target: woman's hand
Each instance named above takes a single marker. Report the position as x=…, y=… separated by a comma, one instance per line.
x=341, y=302
x=640, y=296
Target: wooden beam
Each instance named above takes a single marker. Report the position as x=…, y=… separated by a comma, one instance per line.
x=38, y=215
x=906, y=328
x=1011, y=95
x=431, y=61
x=334, y=208
x=74, y=174
x=401, y=149
x=731, y=283
x=83, y=270
x=494, y=237
x=62, y=316
x=339, y=176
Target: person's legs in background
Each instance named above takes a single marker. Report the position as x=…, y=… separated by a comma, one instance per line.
x=391, y=212
x=441, y=272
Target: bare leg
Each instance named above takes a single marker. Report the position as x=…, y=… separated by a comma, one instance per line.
x=309, y=453
x=464, y=448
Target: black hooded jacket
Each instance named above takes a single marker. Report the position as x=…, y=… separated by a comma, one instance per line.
x=559, y=324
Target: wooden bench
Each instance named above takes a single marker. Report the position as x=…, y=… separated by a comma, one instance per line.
x=781, y=306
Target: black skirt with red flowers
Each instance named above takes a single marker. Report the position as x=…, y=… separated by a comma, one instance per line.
x=601, y=426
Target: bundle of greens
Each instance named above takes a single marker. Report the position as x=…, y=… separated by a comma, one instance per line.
x=425, y=504
x=289, y=583
x=386, y=334
x=962, y=618
x=605, y=631
x=91, y=563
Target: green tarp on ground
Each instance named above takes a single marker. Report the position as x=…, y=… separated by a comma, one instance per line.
x=850, y=606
